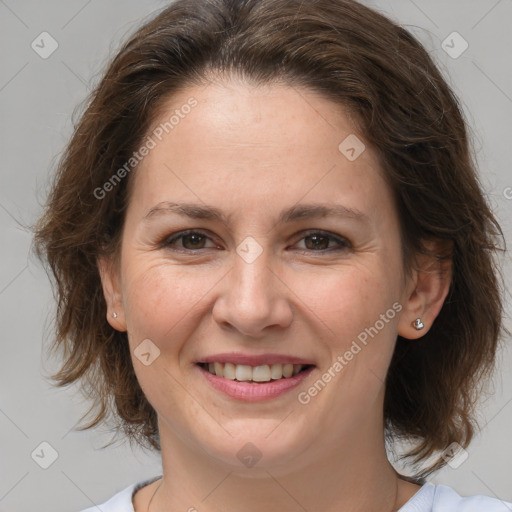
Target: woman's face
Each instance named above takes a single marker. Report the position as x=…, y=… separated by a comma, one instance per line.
x=271, y=284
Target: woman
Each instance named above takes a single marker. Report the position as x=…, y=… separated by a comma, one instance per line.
x=272, y=255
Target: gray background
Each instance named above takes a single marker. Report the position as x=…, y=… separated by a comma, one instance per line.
x=37, y=100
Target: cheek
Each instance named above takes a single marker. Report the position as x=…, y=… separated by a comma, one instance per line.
x=162, y=300
x=357, y=307
x=347, y=300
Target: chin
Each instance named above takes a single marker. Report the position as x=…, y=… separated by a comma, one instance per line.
x=256, y=444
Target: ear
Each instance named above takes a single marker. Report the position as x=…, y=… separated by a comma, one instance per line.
x=427, y=290
x=111, y=283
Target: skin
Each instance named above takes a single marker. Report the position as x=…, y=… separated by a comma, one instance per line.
x=252, y=152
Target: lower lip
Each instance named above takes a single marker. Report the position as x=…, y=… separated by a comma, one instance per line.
x=254, y=392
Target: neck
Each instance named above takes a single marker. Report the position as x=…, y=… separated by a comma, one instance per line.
x=339, y=477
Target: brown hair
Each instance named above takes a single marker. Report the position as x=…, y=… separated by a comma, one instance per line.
x=355, y=57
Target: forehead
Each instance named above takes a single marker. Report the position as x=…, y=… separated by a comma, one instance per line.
x=245, y=145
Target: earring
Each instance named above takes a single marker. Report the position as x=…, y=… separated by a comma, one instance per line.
x=114, y=314
x=418, y=324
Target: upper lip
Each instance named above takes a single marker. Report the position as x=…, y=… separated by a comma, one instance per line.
x=254, y=360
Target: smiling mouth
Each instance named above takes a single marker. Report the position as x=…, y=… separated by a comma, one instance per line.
x=256, y=374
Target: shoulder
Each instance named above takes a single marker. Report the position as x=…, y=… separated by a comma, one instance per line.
x=446, y=498
x=122, y=501
x=441, y=498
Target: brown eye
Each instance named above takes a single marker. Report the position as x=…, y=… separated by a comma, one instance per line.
x=190, y=241
x=318, y=241
x=194, y=241
x=314, y=241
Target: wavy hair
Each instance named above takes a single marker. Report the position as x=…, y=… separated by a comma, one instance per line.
x=355, y=57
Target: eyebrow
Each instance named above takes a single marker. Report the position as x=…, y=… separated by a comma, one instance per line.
x=292, y=214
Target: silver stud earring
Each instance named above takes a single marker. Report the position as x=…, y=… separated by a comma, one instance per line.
x=418, y=324
x=114, y=314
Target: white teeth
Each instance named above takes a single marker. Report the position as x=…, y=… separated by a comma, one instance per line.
x=262, y=373
x=287, y=370
x=243, y=372
x=276, y=371
x=218, y=369
x=229, y=371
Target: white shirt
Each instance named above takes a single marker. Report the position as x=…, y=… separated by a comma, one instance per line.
x=430, y=498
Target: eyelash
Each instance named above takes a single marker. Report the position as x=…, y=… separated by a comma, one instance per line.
x=344, y=244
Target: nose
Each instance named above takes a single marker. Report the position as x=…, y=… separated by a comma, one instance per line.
x=253, y=298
